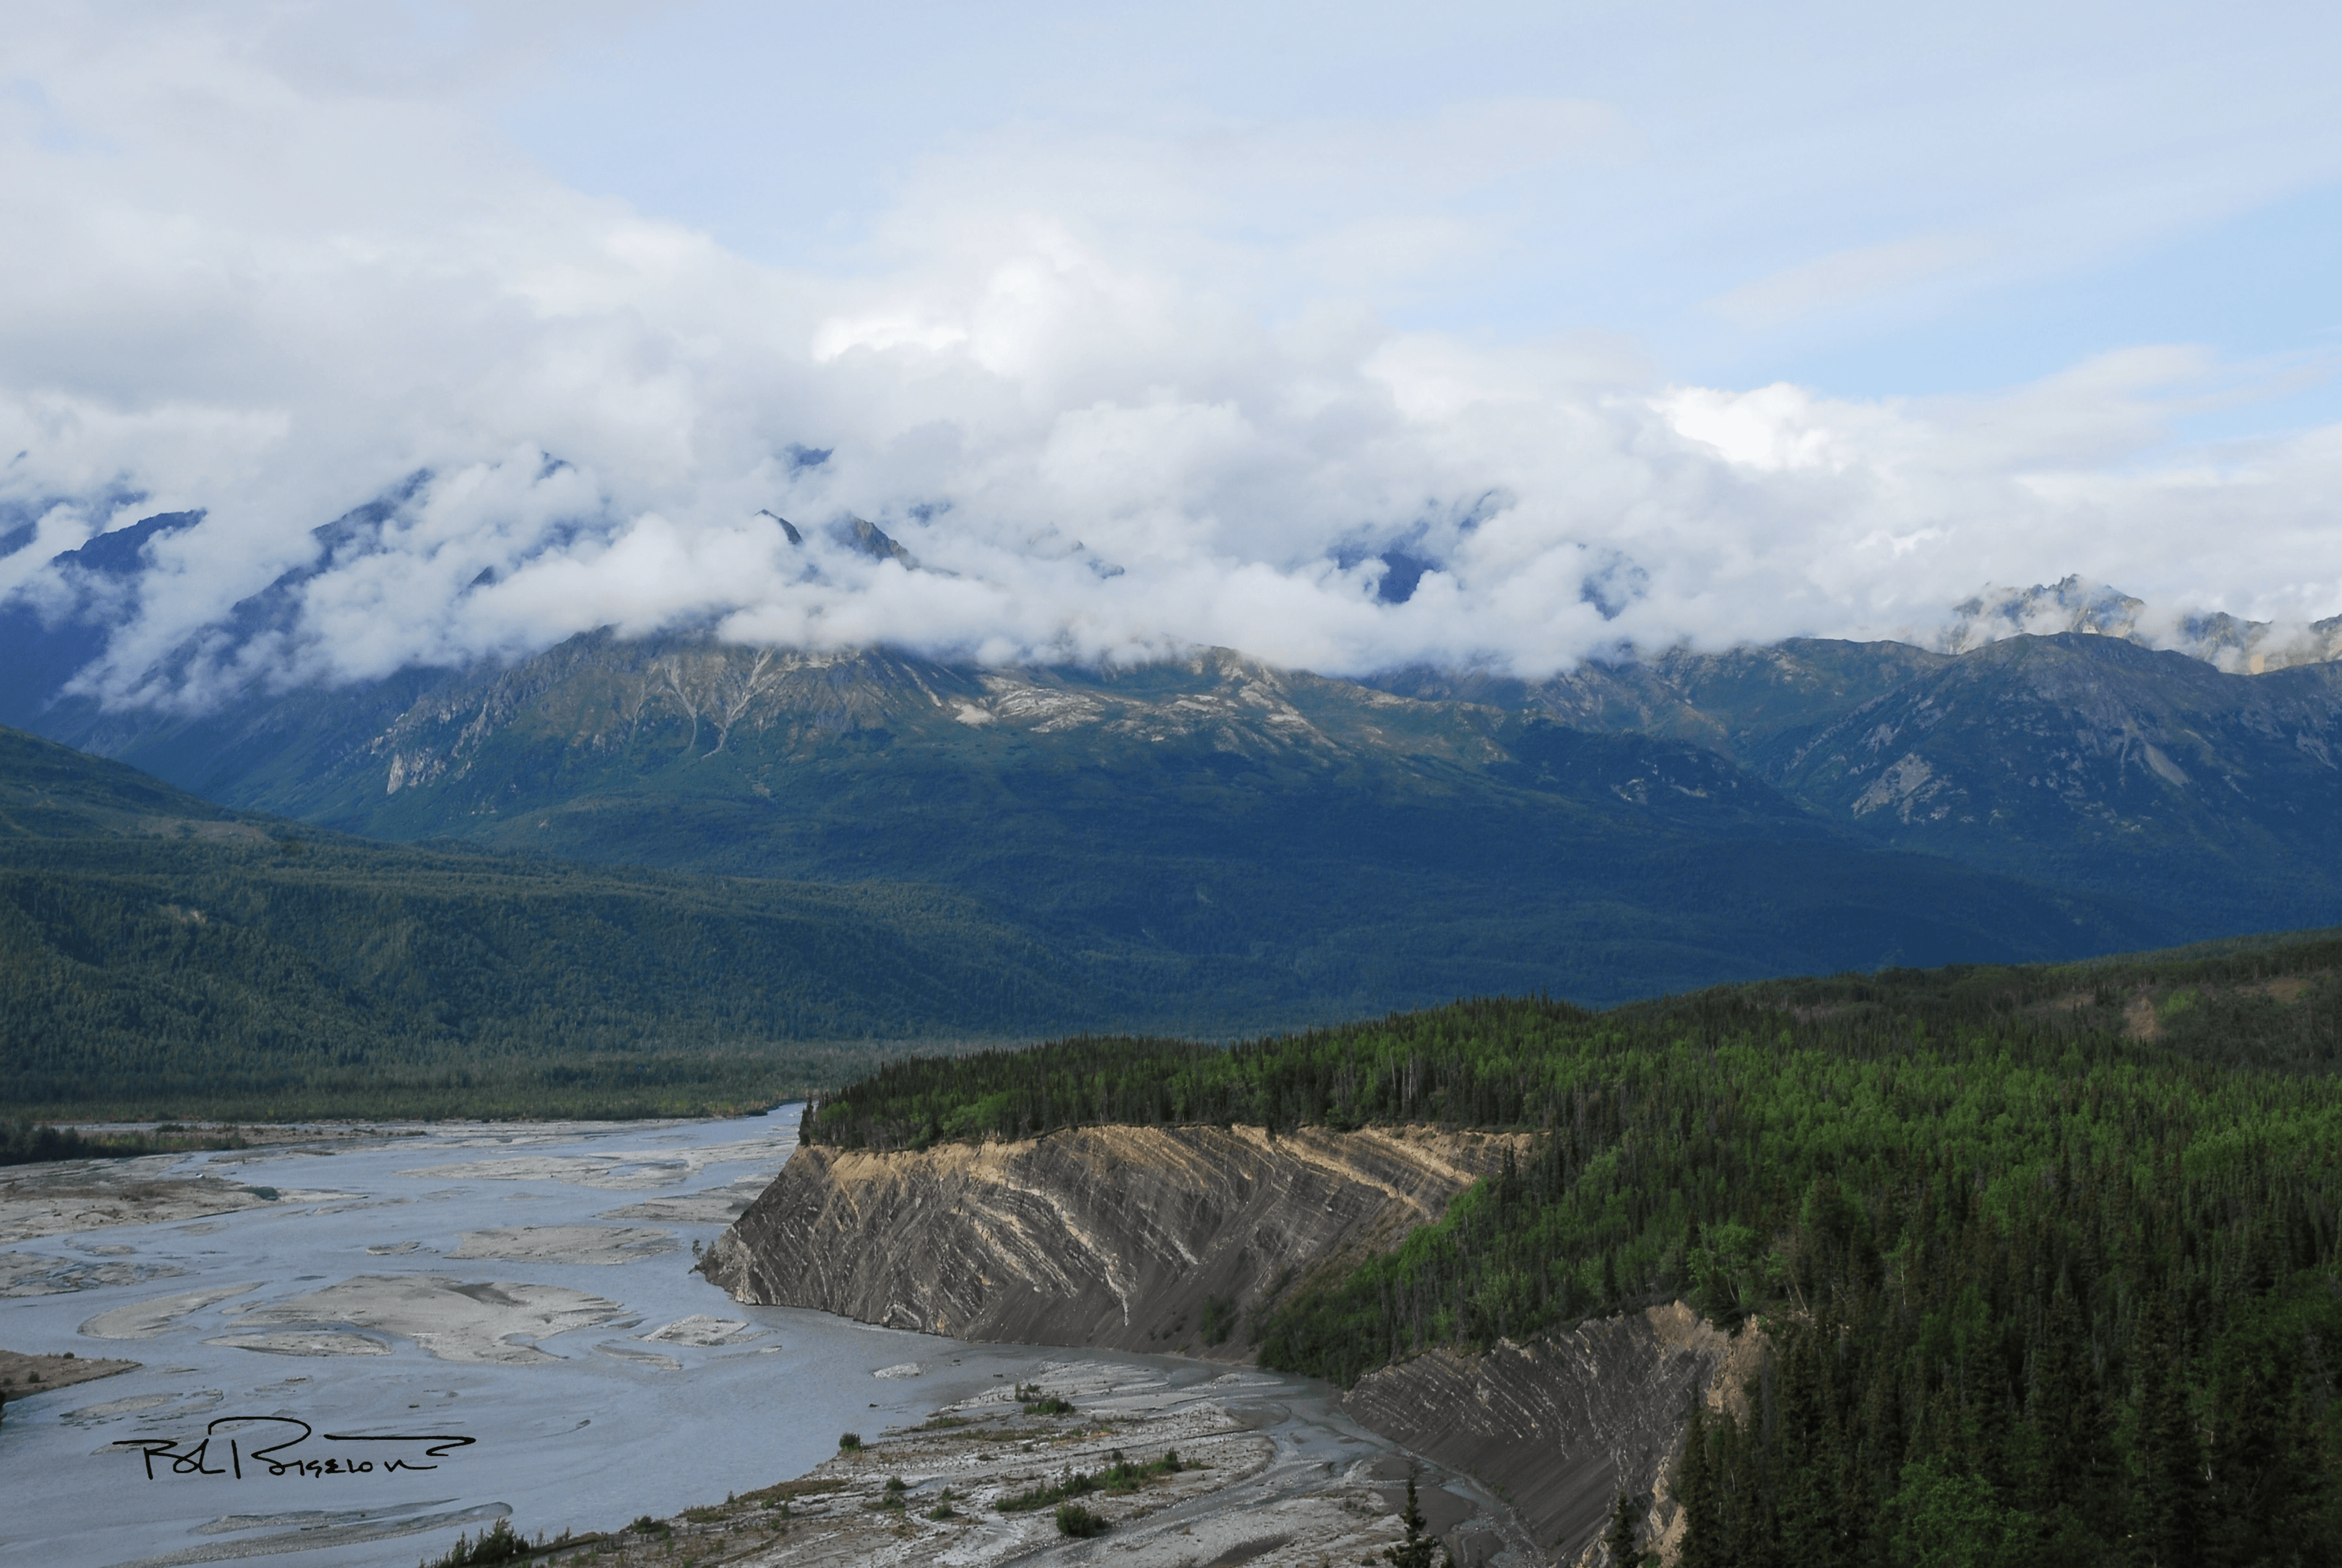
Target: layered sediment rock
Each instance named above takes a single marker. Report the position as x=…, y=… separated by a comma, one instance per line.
x=1119, y=1237
x=1122, y=1237
x=1561, y=1424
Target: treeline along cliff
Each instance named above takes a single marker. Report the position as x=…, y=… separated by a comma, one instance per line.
x=2046, y=1257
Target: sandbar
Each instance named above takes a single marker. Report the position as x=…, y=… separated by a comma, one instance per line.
x=565, y=1243
x=34, y=1274
x=713, y=1206
x=700, y=1329
x=306, y=1343
x=352, y=1528
x=55, y=1197
x=619, y=1170
x=158, y=1314
x=23, y=1375
x=453, y=1320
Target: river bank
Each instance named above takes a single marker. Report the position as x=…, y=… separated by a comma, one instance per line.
x=526, y=1287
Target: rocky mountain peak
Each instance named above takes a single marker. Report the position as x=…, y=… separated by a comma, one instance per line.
x=2078, y=604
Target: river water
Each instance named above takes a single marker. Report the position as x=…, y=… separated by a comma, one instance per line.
x=307, y=1365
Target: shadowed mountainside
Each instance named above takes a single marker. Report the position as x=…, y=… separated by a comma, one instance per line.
x=2089, y=760
x=161, y=954
x=1209, y=844
x=1275, y=845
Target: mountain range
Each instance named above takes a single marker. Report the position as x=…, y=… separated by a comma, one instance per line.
x=1210, y=845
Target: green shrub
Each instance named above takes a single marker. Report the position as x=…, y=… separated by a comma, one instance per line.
x=1073, y=1519
x=1220, y=1319
x=497, y=1543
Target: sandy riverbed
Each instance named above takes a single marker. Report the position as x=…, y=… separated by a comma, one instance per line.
x=1258, y=1485
x=479, y=1281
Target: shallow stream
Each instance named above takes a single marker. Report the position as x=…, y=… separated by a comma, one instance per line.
x=306, y=1366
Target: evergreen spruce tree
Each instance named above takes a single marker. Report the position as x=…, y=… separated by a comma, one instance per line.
x=2252, y=1472
x=2171, y=1487
x=1415, y=1551
x=2304, y=1518
x=1622, y=1540
x=1697, y=1493
x=2071, y=1487
x=1806, y=1479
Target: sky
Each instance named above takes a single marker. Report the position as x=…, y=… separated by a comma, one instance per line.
x=1350, y=337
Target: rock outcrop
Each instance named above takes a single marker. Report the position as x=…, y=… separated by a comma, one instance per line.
x=1157, y=1239
x=1557, y=1426
x=1129, y=1238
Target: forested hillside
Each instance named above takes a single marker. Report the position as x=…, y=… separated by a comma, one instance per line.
x=1263, y=820
x=1211, y=845
x=1275, y=846
x=2051, y=1257
x=161, y=956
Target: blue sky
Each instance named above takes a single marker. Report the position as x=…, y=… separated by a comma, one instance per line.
x=1152, y=327
x=1873, y=200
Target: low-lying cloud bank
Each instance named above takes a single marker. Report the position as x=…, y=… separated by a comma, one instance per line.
x=276, y=303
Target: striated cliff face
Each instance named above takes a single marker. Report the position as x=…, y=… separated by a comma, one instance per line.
x=1143, y=1238
x=1560, y=1424
x=1115, y=1237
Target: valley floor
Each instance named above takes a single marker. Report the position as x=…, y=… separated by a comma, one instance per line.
x=406, y=1269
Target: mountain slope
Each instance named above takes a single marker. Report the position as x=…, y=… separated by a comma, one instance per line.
x=2099, y=764
x=50, y=630
x=2080, y=761
x=159, y=953
x=1288, y=846
x=1733, y=702
x=1246, y=846
x=2203, y=801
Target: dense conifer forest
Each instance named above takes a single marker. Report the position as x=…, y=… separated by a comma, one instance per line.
x=270, y=978
x=163, y=957
x=2050, y=1258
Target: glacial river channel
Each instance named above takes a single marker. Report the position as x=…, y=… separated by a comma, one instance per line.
x=441, y=1325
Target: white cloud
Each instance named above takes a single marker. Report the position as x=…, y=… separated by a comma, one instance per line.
x=263, y=291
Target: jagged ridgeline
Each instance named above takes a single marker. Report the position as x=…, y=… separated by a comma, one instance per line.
x=2048, y=1256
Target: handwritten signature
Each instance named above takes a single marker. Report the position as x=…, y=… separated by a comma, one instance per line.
x=203, y=1457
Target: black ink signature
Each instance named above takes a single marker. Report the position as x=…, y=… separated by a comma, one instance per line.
x=201, y=1458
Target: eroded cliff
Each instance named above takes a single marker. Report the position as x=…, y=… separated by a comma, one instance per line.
x=1560, y=1424
x=1155, y=1239
x=1132, y=1238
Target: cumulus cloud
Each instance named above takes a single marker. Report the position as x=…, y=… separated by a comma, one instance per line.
x=266, y=293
